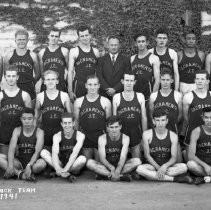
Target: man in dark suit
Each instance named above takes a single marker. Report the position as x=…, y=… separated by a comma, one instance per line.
x=112, y=67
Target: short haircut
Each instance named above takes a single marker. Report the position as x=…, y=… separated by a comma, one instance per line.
x=50, y=72
x=83, y=28
x=113, y=119
x=28, y=110
x=144, y=33
x=160, y=112
x=92, y=76
x=166, y=70
x=206, y=109
x=113, y=37
x=22, y=32
x=56, y=30
x=68, y=115
x=10, y=68
x=190, y=31
x=202, y=72
x=162, y=30
x=131, y=74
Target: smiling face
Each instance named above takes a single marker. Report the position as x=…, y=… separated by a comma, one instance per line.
x=53, y=37
x=128, y=82
x=21, y=41
x=201, y=81
x=113, y=45
x=67, y=124
x=84, y=37
x=92, y=85
x=51, y=80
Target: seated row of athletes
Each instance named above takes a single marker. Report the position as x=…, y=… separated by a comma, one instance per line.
x=93, y=137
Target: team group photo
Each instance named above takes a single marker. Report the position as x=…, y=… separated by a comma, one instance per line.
x=84, y=115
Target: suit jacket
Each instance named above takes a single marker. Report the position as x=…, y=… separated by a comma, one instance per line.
x=110, y=75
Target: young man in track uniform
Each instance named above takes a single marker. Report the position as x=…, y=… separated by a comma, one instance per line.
x=82, y=63
x=113, y=148
x=27, y=63
x=160, y=149
x=194, y=102
x=168, y=57
x=190, y=61
x=55, y=58
x=199, y=154
x=130, y=107
x=29, y=139
x=66, y=147
x=91, y=112
x=168, y=99
x=51, y=103
x=145, y=66
x=12, y=100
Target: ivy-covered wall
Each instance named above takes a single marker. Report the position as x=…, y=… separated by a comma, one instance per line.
x=106, y=17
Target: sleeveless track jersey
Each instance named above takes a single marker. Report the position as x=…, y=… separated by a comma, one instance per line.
x=165, y=60
x=113, y=150
x=26, y=147
x=203, y=147
x=85, y=64
x=92, y=116
x=144, y=72
x=25, y=66
x=66, y=147
x=168, y=103
x=130, y=113
x=11, y=108
x=195, y=113
x=51, y=116
x=160, y=149
x=55, y=61
x=188, y=66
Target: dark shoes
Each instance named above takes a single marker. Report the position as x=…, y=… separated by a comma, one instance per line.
x=183, y=179
x=198, y=180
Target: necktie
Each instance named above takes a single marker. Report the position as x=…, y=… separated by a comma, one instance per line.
x=113, y=59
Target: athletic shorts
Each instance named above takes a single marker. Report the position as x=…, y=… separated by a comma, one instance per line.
x=4, y=149
x=6, y=133
x=29, y=88
x=135, y=135
x=24, y=161
x=79, y=88
x=48, y=135
x=48, y=148
x=91, y=139
x=187, y=135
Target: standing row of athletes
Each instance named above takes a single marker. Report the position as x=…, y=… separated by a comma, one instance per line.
x=150, y=70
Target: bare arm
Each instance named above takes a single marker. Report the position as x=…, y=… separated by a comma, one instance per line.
x=77, y=107
x=38, y=106
x=40, y=55
x=147, y=136
x=141, y=100
x=26, y=99
x=67, y=103
x=115, y=103
x=38, y=147
x=36, y=66
x=102, y=153
x=80, y=140
x=55, y=151
x=208, y=63
x=106, y=104
x=179, y=102
x=174, y=57
x=187, y=99
x=152, y=99
x=123, y=155
x=156, y=71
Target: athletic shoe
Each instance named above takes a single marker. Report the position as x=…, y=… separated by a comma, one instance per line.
x=71, y=178
x=183, y=179
x=126, y=178
x=198, y=180
x=135, y=175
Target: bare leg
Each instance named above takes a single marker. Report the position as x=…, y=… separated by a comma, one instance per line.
x=150, y=173
x=46, y=155
x=3, y=161
x=179, y=154
x=39, y=166
x=177, y=169
x=88, y=153
x=79, y=163
x=195, y=168
x=131, y=165
x=135, y=151
x=97, y=167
